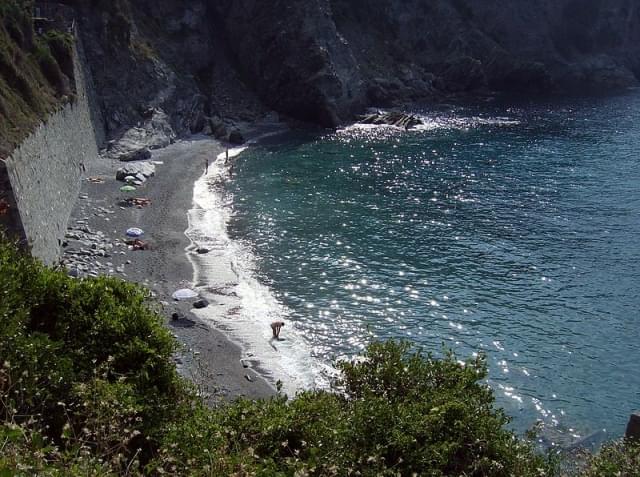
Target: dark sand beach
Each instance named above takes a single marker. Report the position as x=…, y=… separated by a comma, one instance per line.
x=95, y=242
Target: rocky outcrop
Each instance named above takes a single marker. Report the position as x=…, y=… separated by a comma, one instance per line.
x=471, y=45
x=213, y=65
x=633, y=427
x=294, y=57
x=136, y=143
x=397, y=119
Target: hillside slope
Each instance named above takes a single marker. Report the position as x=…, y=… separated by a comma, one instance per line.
x=36, y=73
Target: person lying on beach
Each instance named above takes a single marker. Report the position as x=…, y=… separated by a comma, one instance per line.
x=137, y=202
x=275, y=327
x=138, y=244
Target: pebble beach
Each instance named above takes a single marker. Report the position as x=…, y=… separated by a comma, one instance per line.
x=95, y=244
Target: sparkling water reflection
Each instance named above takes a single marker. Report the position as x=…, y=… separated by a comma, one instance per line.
x=511, y=231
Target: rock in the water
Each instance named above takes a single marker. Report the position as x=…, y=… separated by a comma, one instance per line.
x=145, y=169
x=201, y=303
x=393, y=118
x=176, y=316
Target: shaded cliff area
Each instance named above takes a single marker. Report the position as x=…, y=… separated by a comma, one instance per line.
x=210, y=66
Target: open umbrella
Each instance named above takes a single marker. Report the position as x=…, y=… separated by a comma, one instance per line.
x=184, y=294
x=127, y=188
x=135, y=232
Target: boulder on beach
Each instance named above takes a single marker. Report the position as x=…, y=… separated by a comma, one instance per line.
x=136, y=170
x=181, y=321
x=136, y=144
x=202, y=303
x=137, y=154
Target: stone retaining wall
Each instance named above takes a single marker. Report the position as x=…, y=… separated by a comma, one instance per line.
x=46, y=169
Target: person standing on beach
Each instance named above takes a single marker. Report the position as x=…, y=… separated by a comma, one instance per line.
x=206, y=165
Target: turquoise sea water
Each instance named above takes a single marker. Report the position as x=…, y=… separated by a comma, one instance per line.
x=511, y=229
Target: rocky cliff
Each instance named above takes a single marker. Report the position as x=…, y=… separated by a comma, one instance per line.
x=213, y=64
x=470, y=45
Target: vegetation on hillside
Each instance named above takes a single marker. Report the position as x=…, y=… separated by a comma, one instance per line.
x=88, y=387
x=35, y=72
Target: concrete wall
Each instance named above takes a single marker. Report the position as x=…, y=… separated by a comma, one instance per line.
x=46, y=169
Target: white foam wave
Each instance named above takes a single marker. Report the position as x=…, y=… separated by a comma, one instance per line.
x=429, y=123
x=242, y=306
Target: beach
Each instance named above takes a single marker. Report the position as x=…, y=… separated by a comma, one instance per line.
x=95, y=245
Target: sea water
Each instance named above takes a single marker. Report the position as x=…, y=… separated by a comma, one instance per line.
x=508, y=229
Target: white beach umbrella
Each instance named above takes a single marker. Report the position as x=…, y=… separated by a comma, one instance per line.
x=184, y=294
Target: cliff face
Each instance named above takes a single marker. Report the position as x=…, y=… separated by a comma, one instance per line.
x=210, y=64
x=294, y=57
x=466, y=45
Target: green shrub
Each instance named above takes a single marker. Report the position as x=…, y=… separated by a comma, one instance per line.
x=15, y=16
x=616, y=459
x=63, y=341
x=17, y=80
x=51, y=69
x=402, y=413
x=88, y=387
x=60, y=45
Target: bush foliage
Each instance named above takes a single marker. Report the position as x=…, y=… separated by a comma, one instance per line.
x=88, y=387
x=616, y=459
x=36, y=73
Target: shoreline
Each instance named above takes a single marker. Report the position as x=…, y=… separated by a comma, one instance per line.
x=226, y=276
x=95, y=246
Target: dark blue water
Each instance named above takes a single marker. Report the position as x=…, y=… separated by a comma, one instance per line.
x=512, y=230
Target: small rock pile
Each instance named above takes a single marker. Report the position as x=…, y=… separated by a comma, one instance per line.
x=87, y=252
